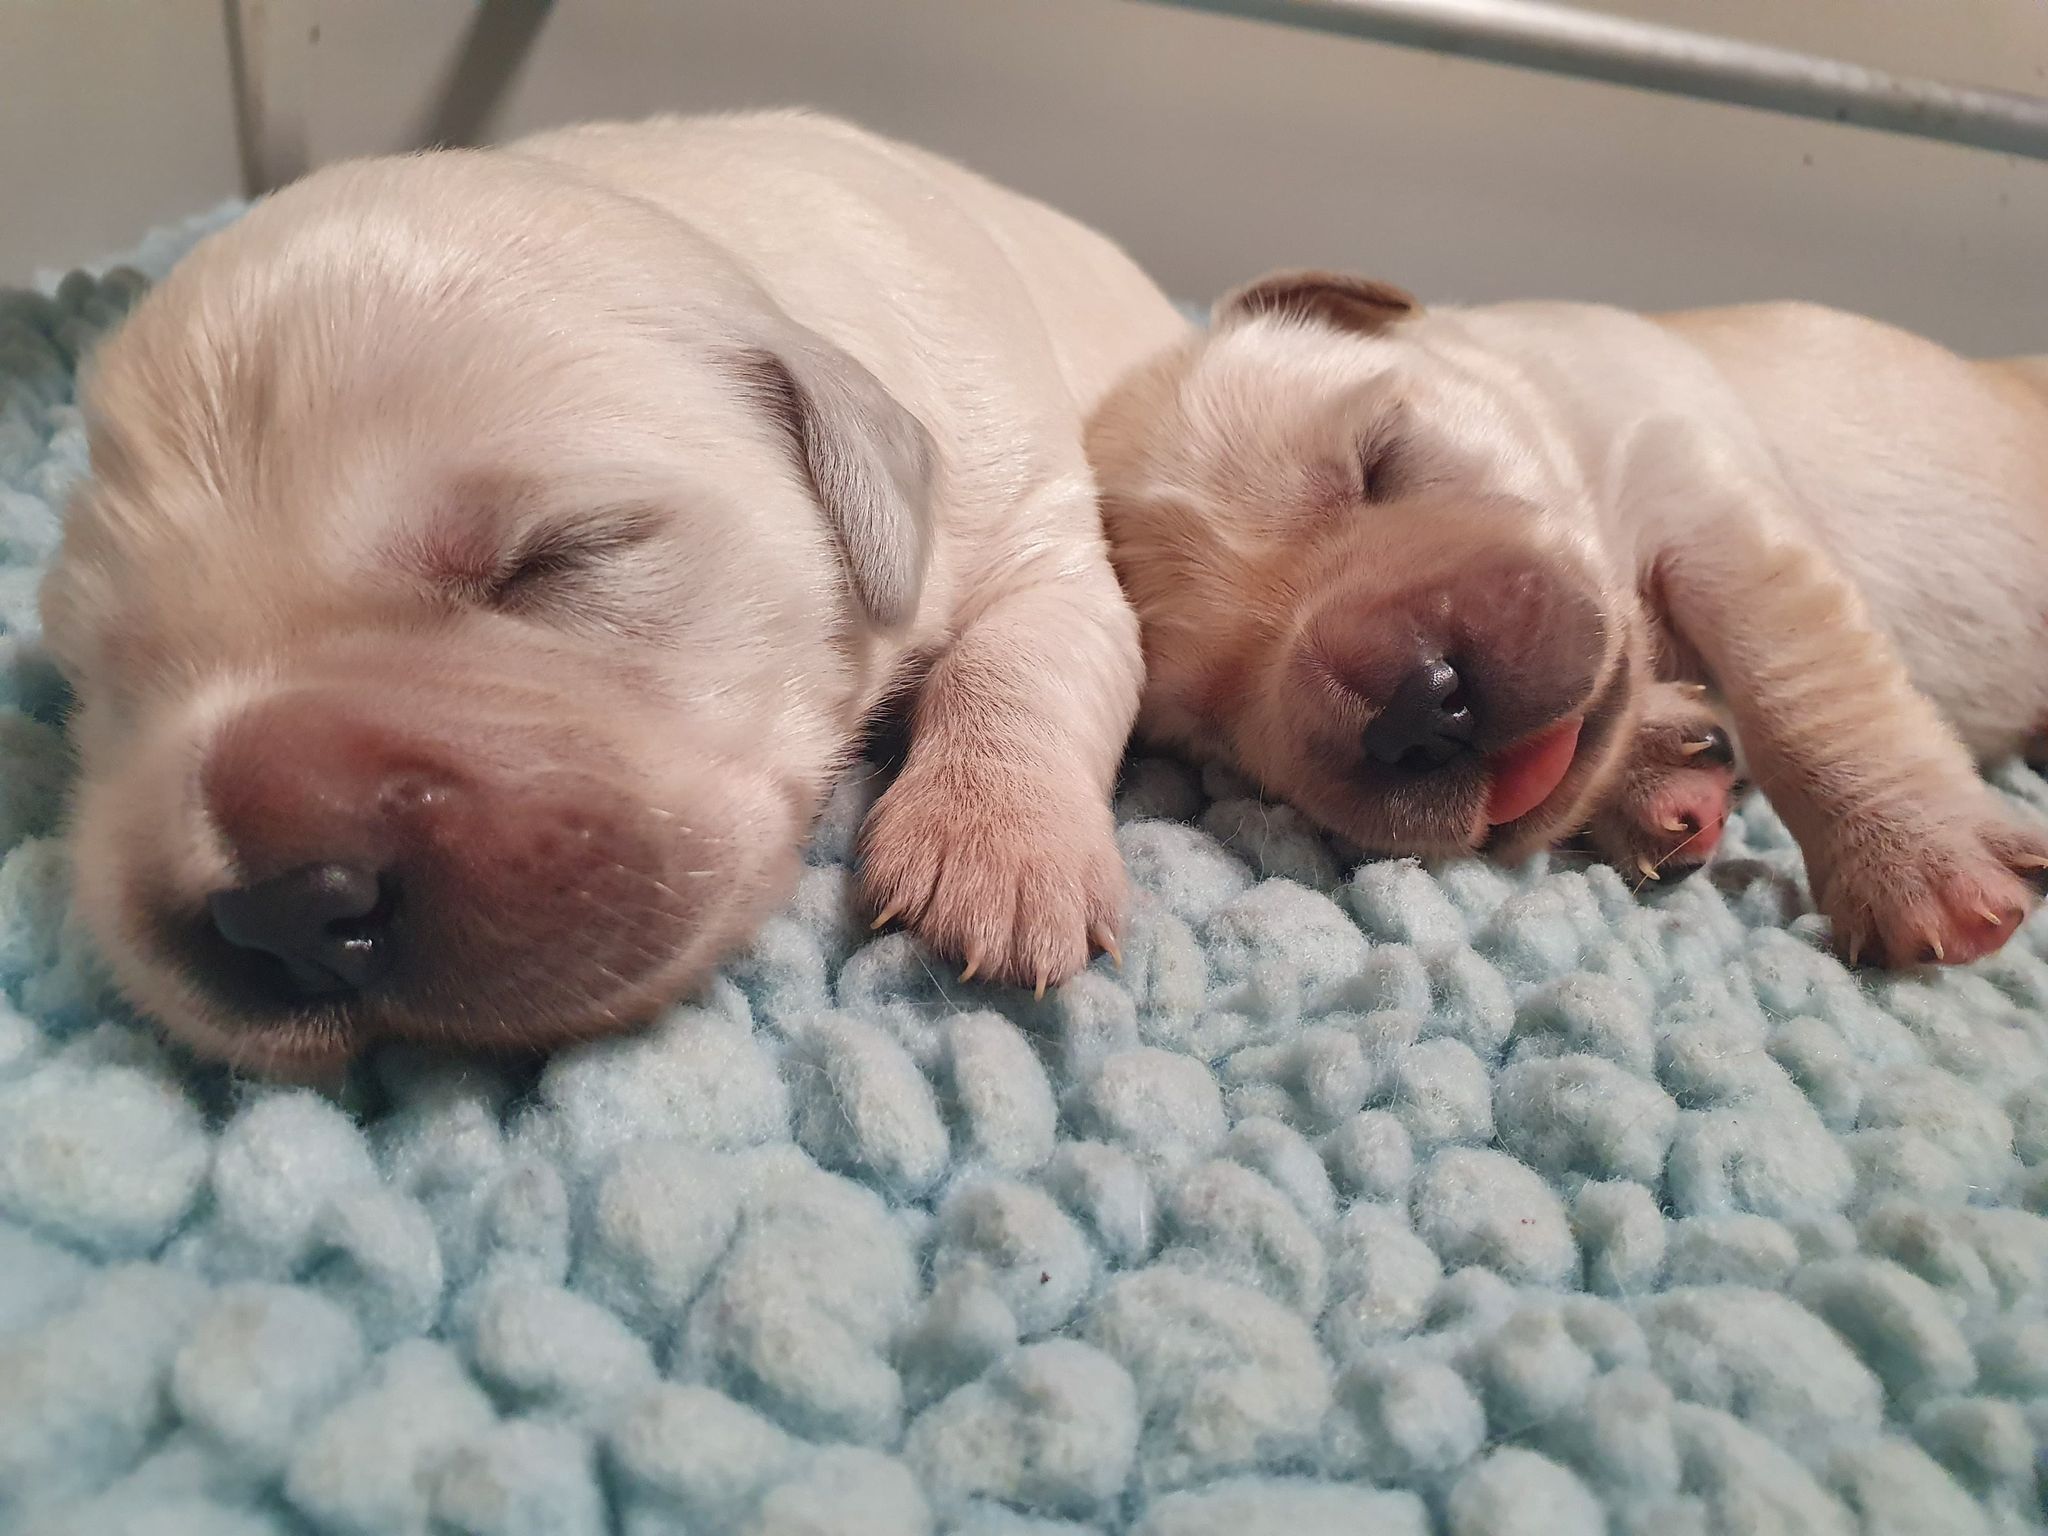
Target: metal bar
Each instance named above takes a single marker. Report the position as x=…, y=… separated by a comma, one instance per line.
x=493, y=51
x=1564, y=40
x=269, y=43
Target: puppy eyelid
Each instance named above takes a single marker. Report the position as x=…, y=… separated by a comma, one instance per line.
x=1379, y=469
x=552, y=553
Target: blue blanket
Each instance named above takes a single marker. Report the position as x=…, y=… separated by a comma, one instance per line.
x=1496, y=1203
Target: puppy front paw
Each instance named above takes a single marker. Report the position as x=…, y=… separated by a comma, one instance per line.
x=1664, y=816
x=1001, y=866
x=1945, y=891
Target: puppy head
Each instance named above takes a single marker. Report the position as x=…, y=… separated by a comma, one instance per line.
x=1365, y=575
x=462, y=613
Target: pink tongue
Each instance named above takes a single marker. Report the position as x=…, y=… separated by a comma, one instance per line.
x=1526, y=773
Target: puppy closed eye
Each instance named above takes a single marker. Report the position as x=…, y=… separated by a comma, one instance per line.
x=555, y=566
x=1382, y=469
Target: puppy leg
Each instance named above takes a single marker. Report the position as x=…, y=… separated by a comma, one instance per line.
x=1664, y=815
x=995, y=844
x=1908, y=851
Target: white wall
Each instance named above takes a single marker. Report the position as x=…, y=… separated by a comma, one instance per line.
x=113, y=116
x=1213, y=148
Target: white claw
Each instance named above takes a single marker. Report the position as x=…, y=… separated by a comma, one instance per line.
x=1105, y=940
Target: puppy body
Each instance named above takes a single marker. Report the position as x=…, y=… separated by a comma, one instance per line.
x=1840, y=527
x=1922, y=477
x=491, y=557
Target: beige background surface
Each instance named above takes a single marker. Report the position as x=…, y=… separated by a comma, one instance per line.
x=1213, y=148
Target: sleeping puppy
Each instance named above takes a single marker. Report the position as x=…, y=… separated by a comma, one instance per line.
x=1460, y=581
x=490, y=558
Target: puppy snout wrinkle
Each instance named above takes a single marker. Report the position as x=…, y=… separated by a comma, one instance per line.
x=323, y=930
x=313, y=780
x=1428, y=721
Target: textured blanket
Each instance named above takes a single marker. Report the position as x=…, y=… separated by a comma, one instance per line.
x=1361, y=1201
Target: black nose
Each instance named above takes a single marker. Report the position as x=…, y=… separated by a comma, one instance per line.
x=327, y=926
x=1426, y=723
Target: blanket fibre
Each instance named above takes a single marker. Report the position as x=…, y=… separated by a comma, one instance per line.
x=1493, y=1203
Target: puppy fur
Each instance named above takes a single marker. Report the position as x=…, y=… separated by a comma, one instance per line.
x=1819, y=530
x=537, y=529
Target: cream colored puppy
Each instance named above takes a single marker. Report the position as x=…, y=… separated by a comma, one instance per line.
x=491, y=557
x=1454, y=581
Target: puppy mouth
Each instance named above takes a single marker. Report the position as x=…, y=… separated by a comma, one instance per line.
x=261, y=1020
x=1531, y=779
x=503, y=920
x=310, y=1046
x=1523, y=777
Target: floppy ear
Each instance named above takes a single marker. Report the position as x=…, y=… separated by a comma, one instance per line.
x=870, y=462
x=1360, y=304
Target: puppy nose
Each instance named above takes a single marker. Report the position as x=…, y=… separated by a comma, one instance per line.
x=327, y=926
x=1426, y=722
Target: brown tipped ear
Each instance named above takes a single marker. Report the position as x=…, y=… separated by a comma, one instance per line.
x=1360, y=304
